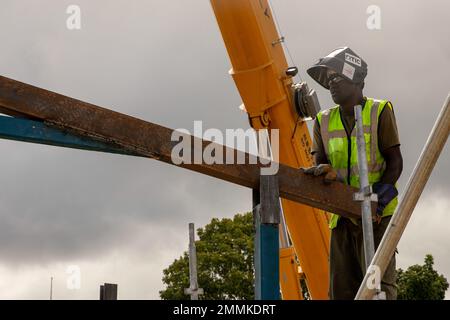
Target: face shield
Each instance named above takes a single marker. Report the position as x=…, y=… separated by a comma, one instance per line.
x=343, y=62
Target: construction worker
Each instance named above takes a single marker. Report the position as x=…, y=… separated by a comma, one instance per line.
x=335, y=155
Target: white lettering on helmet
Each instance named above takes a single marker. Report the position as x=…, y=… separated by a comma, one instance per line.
x=352, y=59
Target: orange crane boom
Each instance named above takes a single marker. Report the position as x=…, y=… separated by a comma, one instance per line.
x=259, y=70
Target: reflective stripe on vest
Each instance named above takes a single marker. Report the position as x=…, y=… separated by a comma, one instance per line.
x=341, y=149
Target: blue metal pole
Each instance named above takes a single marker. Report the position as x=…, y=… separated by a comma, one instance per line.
x=268, y=278
x=38, y=132
x=267, y=243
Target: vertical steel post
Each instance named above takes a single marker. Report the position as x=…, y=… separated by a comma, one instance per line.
x=266, y=213
x=194, y=291
x=365, y=190
x=365, y=196
x=51, y=288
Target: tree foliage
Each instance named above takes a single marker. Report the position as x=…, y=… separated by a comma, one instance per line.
x=225, y=262
x=421, y=282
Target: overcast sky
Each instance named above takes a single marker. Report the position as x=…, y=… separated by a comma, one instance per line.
x=123, y=219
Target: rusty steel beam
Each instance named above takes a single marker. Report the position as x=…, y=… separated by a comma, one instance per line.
x=154, y=141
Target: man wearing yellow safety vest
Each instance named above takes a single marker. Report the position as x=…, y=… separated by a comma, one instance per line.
x=336, y=157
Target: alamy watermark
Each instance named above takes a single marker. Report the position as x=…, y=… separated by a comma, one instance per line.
x=73, y=281
x=374, y=278
x=73, y=22
x=262, y=146
x=374, y=20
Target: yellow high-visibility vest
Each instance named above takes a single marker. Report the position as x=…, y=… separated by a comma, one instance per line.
x=342, y=152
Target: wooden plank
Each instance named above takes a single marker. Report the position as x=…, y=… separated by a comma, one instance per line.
x=150, y=140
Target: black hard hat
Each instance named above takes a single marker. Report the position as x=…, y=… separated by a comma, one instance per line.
x=342, y=61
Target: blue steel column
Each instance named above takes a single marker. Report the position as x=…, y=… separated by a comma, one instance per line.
x=266, y=219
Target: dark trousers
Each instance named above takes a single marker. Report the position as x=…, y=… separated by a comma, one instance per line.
x=347, y=265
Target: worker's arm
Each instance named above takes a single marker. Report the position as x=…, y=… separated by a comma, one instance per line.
x=394, y=165
x=389, y=145
x=317, y=150
x=320, y=158
x=385, y=188
x=321, y=166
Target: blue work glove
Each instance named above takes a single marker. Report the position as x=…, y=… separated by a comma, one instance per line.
x=385, y=193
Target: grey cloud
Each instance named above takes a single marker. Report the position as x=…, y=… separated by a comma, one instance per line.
x=83, y=204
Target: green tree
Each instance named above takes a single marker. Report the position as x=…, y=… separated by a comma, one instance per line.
x=421, y=282
x=225, y=262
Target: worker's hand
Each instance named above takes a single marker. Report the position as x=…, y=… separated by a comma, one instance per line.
x=377, y=218
x=322, y=170
x=386, y=193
